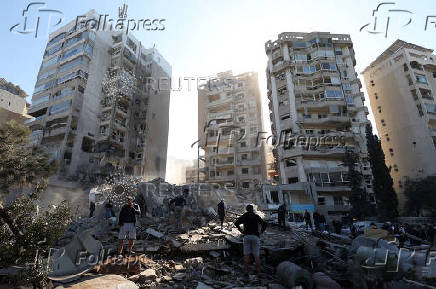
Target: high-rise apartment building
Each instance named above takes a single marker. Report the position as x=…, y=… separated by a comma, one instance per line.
x=229, y=129
x=13, y=105
x=317, y=112
x=401, y=85
x=95, y=105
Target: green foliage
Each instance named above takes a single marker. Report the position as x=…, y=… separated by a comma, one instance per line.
x=360, y=205
x=26, y=233
x=421, y=196
x=387, y=202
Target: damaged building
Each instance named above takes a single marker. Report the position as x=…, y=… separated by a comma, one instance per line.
x=229, y=123
x=96, y=104
x=317, y=113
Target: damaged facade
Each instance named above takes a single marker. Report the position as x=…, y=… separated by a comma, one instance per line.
x=229, y=123
x=94, y=105
x=317, y=112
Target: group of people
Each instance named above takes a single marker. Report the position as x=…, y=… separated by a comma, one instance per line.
x=250, y=224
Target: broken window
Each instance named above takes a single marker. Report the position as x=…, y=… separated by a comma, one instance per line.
x=87, y=144
x=274, y=196
x=321, y=201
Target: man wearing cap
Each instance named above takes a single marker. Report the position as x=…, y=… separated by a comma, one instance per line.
x=126, y=222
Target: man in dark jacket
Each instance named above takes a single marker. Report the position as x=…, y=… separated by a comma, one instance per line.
x=251, y=222
x=282, y=216
x=308, y=220
x=221, y=212
x=126, y=222
x=179, y=204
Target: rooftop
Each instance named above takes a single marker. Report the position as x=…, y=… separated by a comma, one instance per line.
x=394, y=48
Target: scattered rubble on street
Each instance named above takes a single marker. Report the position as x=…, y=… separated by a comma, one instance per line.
x=203, y=255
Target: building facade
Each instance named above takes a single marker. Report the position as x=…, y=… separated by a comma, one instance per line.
x=95, y=105
x=401, y=85
x=13, y=105
x=317, y=113
x=229, y=128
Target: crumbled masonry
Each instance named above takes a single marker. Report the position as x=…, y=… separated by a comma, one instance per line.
x=203, y=255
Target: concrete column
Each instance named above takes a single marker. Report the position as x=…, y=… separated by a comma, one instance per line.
x=300, y=168
x=292, y=107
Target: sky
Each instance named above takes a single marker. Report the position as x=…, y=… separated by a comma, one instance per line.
x=204, y=37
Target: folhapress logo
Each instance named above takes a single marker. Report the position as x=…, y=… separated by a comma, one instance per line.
x=122, y=23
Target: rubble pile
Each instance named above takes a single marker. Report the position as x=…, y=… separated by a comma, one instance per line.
x=203, y=254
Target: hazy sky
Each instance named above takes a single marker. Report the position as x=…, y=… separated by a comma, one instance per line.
x=203, y=37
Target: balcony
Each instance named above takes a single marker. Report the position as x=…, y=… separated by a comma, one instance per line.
x=331, y=119
x=281, y=65
x=318, y=104
x=335, y=152
x=55, y=132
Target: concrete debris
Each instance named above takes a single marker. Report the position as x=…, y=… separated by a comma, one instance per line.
x=293, y=275
x=102, y=282
x=201, y=254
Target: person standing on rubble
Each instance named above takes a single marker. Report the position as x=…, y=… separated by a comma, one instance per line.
x=179, y=204
x=307, y=220
x=281, y=214
x=126, y=222
x=221, y=212
x=251, y=241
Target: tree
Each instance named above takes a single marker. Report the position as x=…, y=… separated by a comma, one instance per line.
x=420, y=196
x=24, y=173
x=360, y=206
x=386, y=198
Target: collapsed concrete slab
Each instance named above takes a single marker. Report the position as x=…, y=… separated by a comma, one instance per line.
x=102, y=282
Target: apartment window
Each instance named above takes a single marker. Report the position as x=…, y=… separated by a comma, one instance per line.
x=349, y=99
x=434, y=74
x=230, y=173
x=53, y=50
x=243, y=144
x=338, y=51
x=285, y=116
x=241, y=119
x=405, y=67
x=293, y=180
x=321, y=201
x=376, y=96
x=387, y=137
x=334, y=94
x=391, y=151
x=244, y=157
x=246, y=185
x=239, y=96
x=379, y=109
x=396, y=168
x=421, y=79
x=430, y=108
x=60, y=107
x=240, y=84
x=49, y=62
x=290, y=162
x=244, y=171
x=56, y=39
x=274, y=196
x=372, y=83
x=212, y=173
x=383, y=122
x=240, y=107
x=338, y=201
x=346, y=86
